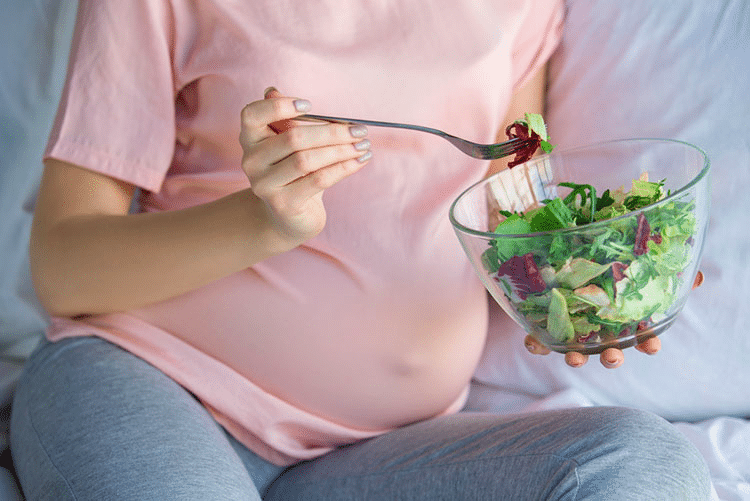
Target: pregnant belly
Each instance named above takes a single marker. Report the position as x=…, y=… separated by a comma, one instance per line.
x=359, y=362
x=381, y=379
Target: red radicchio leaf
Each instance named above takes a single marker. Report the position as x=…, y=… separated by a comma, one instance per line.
x=617, y=270
x=521, y=131
x=626, y=331
x=642, y=233
x=523, y=274
x=583, y=338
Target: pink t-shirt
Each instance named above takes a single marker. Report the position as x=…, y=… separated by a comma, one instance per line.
x=380, y=320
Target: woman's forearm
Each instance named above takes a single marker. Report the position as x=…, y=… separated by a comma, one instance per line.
x=89, y=256
x=89, y=264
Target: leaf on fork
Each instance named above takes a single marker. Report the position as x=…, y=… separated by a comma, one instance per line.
x=531, y=127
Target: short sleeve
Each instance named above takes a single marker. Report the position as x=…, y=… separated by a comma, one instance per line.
x=539, y=35
x=117, y=114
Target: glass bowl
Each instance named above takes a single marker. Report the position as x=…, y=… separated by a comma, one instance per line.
x=591, y=287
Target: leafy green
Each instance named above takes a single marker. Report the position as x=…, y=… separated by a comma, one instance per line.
x=582, y=199
x=533, y=131
x=578, y=271
x=605, y=200
x=594, y=286
x=558, y=320
x=643, y=193
x=553, y=216
x=535, y=123
x=559, y=249
x=504, y=249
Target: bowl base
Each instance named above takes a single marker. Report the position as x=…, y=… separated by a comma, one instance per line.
x=620, y=343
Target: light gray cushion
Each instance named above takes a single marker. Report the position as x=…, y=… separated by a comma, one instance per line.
x=34, y=43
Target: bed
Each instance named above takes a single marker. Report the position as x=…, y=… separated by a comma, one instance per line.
x=675, y=69
x=681, y=70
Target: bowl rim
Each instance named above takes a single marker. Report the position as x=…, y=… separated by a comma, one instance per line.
x=604, y=222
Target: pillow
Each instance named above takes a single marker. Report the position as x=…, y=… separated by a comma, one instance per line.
x=679, y=70
x=34, y=45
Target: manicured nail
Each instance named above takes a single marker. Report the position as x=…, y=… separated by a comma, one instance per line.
x=358, y=130
x=364, y=158
x=575, y=359
x=302, y=105
x=698, y=280
x=610, y=362
x=362, y=145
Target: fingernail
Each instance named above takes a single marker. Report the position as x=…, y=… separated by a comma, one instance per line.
x=302, y=105
x=269, y=90
x=358, y=130
x=364, y=158
x=362, y=145
x=610, y=362
x=698, y=280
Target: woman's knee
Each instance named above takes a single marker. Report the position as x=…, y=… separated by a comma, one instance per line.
x=642, y=456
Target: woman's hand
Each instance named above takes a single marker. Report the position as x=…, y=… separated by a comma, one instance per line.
x=289, y=166
x=610, y=358
x=90, y=256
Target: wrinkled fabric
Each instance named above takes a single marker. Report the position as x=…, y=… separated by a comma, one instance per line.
x=120, y=429
x=378, y=321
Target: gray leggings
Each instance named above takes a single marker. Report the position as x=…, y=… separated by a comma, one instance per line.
x=93, y=422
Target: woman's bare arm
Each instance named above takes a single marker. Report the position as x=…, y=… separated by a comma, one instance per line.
x=89, y=256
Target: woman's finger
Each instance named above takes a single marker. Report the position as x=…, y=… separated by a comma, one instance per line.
x=612, y=358
x=650, y=346
x=534, y=346
x=698, y=279
x=298, y=192
x=299, y=138
x=281, y=125
x=257, y=116
x=575, y=359
x=305, y=163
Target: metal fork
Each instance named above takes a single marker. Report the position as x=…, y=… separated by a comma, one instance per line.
x=476, y=150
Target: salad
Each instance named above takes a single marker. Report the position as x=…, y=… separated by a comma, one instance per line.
x=532, y=127
x=595, y=285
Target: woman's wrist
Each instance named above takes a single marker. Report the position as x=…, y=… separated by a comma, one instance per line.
x=261, y=235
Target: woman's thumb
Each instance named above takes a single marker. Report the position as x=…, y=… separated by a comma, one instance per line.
x=281, y=125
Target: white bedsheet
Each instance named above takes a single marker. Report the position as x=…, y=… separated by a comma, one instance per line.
x=725, y=444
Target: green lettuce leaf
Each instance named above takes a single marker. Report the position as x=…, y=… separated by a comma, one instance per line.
x=559, y=325
x=535, y=122
x=578, y=272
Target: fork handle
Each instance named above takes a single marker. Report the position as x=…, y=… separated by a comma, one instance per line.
x=375, y=123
